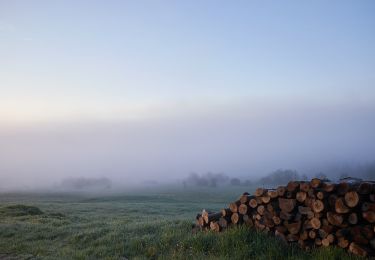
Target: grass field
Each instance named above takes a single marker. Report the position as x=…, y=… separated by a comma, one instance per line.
x=136, y=225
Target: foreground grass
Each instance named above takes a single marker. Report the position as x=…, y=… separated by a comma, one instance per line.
x=136, y=226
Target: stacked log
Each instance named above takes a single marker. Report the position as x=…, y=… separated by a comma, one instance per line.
x=310, y=214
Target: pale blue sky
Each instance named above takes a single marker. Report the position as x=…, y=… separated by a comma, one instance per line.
x=162, y=88
x=73, y=57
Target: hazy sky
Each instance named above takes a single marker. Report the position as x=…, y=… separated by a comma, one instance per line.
x=142, y=89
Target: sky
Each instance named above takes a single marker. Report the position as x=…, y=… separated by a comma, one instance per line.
x=138, y=90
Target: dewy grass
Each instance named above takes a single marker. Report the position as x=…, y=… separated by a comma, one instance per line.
x=151, y=226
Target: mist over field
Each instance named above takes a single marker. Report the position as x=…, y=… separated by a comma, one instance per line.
x=241, y=141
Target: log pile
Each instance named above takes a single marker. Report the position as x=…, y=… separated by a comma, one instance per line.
x=311, y=214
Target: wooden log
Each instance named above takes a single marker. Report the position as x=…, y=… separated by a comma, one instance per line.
x=315, y=183
x=265, y=199
x=272, y=193
x=223, y=222
x=267, y=221
x=235, y=218
x=324, y=221
x=259, y=226
x=332, y=200
x=253, y=203
x=367, y=206
x=369, y=216
x=226, y=212
x=353, y=218
x=356, y=249
x=247, y=220
x=233, y=206
x=342, y=242
x=201, y=221
x=315, y=223
x=285, y=215
x=281, y=191
x=294, y=228
x=308, y=202
x=259, y=192
x=312, y=234
x=242, y=209
x=276, y=220
x=318, y=241
x=334, y=218
x=367, y=232
x=340, y=206
x=320, y=195
x=342, y=188
x=329, y=186
x=325, y=242
x=289, y=194
x=270, y=208
x=304, y=186
x=287, y=205
x=351, y=199
x=365, y=188
x=317, y=206
x=244, y=199
x=261, y=209
x=205, y=216
x=211, y=217
x=331, y=238
x=292, y=186
x=214, y=226
x=301, y=196
x=311, y=194
x=297, y=216
x=322, y=233
x=304, y=210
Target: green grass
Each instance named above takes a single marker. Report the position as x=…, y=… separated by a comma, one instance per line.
x=143, y=225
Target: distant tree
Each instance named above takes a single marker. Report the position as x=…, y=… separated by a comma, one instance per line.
x=82, y=183
x=208, y=179
x=280, y=177
x=247, y=183
x=235, y=182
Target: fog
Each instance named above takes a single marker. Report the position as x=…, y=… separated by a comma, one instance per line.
x=246, y=141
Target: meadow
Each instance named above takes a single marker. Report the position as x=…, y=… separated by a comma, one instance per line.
x=144, y=224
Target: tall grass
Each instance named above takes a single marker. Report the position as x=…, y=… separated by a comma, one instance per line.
x=147, y=226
